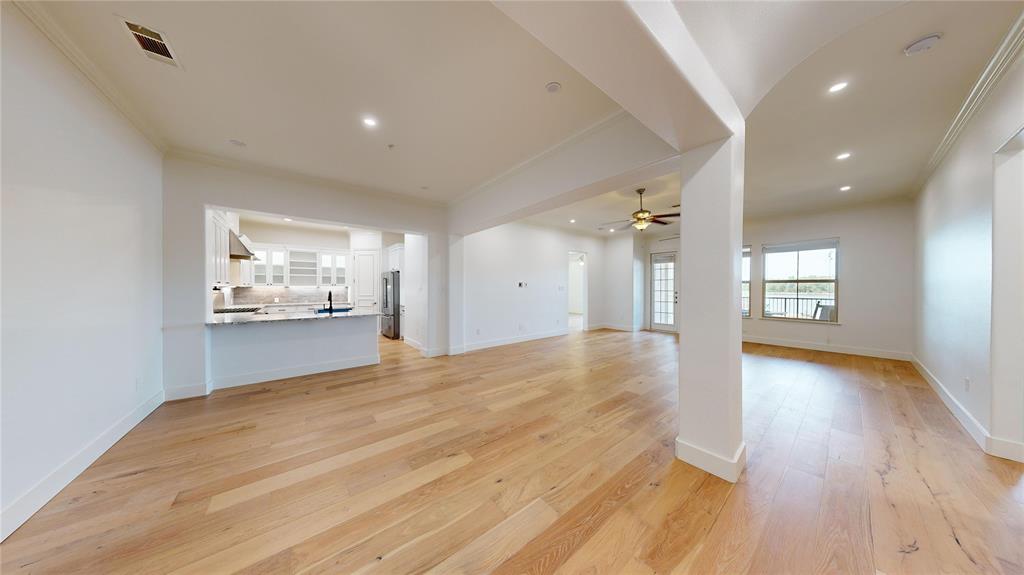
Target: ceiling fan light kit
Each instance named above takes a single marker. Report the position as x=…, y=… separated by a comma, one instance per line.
x=643, y=218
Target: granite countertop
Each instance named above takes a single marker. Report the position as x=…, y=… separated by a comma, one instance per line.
x=258, y=317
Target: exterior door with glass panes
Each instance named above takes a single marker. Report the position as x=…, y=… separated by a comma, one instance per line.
x=664, y=292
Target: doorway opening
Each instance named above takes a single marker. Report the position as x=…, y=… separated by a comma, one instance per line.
x=577, y=320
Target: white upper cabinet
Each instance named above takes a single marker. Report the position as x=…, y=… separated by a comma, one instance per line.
x=333, y=268
x=268, y=265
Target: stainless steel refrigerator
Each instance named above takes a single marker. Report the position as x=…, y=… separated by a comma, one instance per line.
x=391, y=310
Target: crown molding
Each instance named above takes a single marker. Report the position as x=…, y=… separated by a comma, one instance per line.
x=37, y=13
x=1000, y=62
x=298, y=177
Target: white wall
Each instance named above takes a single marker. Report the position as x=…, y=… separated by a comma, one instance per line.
x=81, y=237
x=414, y=291
x=496, y=310
x=876, y=271
x=623, y=280
x=190, y=184
x=954, y=249
x=264, y=233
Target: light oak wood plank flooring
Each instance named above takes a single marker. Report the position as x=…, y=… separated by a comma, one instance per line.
x=547, y=456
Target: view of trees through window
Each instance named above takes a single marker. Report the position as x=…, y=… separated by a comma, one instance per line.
x=800, y=281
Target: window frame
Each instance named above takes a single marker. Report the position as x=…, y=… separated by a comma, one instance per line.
x=747, y=252
x=806, y=245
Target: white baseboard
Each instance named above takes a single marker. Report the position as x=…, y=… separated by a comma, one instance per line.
x=615, y=326
x=997, y=446
x=414, y=343
x=847, y=349
x=515, y=339
x=296, y=371
x=185, y=392
x=19, y=511
x=974, y=428
x=1005, y=448
x=728, y=469
x=434, y=352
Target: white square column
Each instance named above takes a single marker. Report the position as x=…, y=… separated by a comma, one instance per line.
x=710, y=329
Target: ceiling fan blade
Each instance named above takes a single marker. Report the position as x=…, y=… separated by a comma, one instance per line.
x=675, y=215
x=657, y=221
x=669, y=238
x=676, y=206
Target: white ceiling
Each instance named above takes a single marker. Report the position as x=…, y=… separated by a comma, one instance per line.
x=659, y=196
x=260, y=218
x=891, y=117
x=459, y=89
x=780, y=58
x=753, y=45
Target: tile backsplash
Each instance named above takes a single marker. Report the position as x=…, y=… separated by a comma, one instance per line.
x=264, y=294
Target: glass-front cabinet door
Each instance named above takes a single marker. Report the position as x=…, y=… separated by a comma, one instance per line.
x=332, y=268
x=259, y=267
x=268, y=266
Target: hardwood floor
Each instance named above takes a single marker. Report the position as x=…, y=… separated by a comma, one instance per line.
x=541, y=457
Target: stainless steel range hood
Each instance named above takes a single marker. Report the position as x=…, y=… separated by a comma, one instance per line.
x=237, y=249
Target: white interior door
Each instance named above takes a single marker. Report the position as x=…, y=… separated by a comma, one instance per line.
x=366, y=280
x=664, y=292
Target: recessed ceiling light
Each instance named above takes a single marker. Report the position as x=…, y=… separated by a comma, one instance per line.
x=612, y=230
x=572, y=221
x=369, y=121
x=843, y=156
x=238, y=143
x=287, y=219
x=845, y=189
x=553, y=87
x=837, y=87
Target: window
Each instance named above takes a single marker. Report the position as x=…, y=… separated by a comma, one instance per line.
x=800, y=282
x=745, y=283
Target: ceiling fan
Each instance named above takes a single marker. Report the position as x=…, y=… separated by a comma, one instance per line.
x=642, y=218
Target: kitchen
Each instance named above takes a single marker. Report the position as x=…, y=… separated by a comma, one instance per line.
x=292, y=297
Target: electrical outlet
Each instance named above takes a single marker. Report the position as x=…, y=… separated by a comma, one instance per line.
x=521, y=327
x=967, y=384
x=478, y=331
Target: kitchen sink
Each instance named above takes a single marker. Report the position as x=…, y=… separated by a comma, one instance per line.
x=337, y=309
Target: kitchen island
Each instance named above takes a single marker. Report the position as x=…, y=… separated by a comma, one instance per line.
x=244, y=348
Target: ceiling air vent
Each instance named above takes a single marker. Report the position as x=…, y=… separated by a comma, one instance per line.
x=151, y=43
